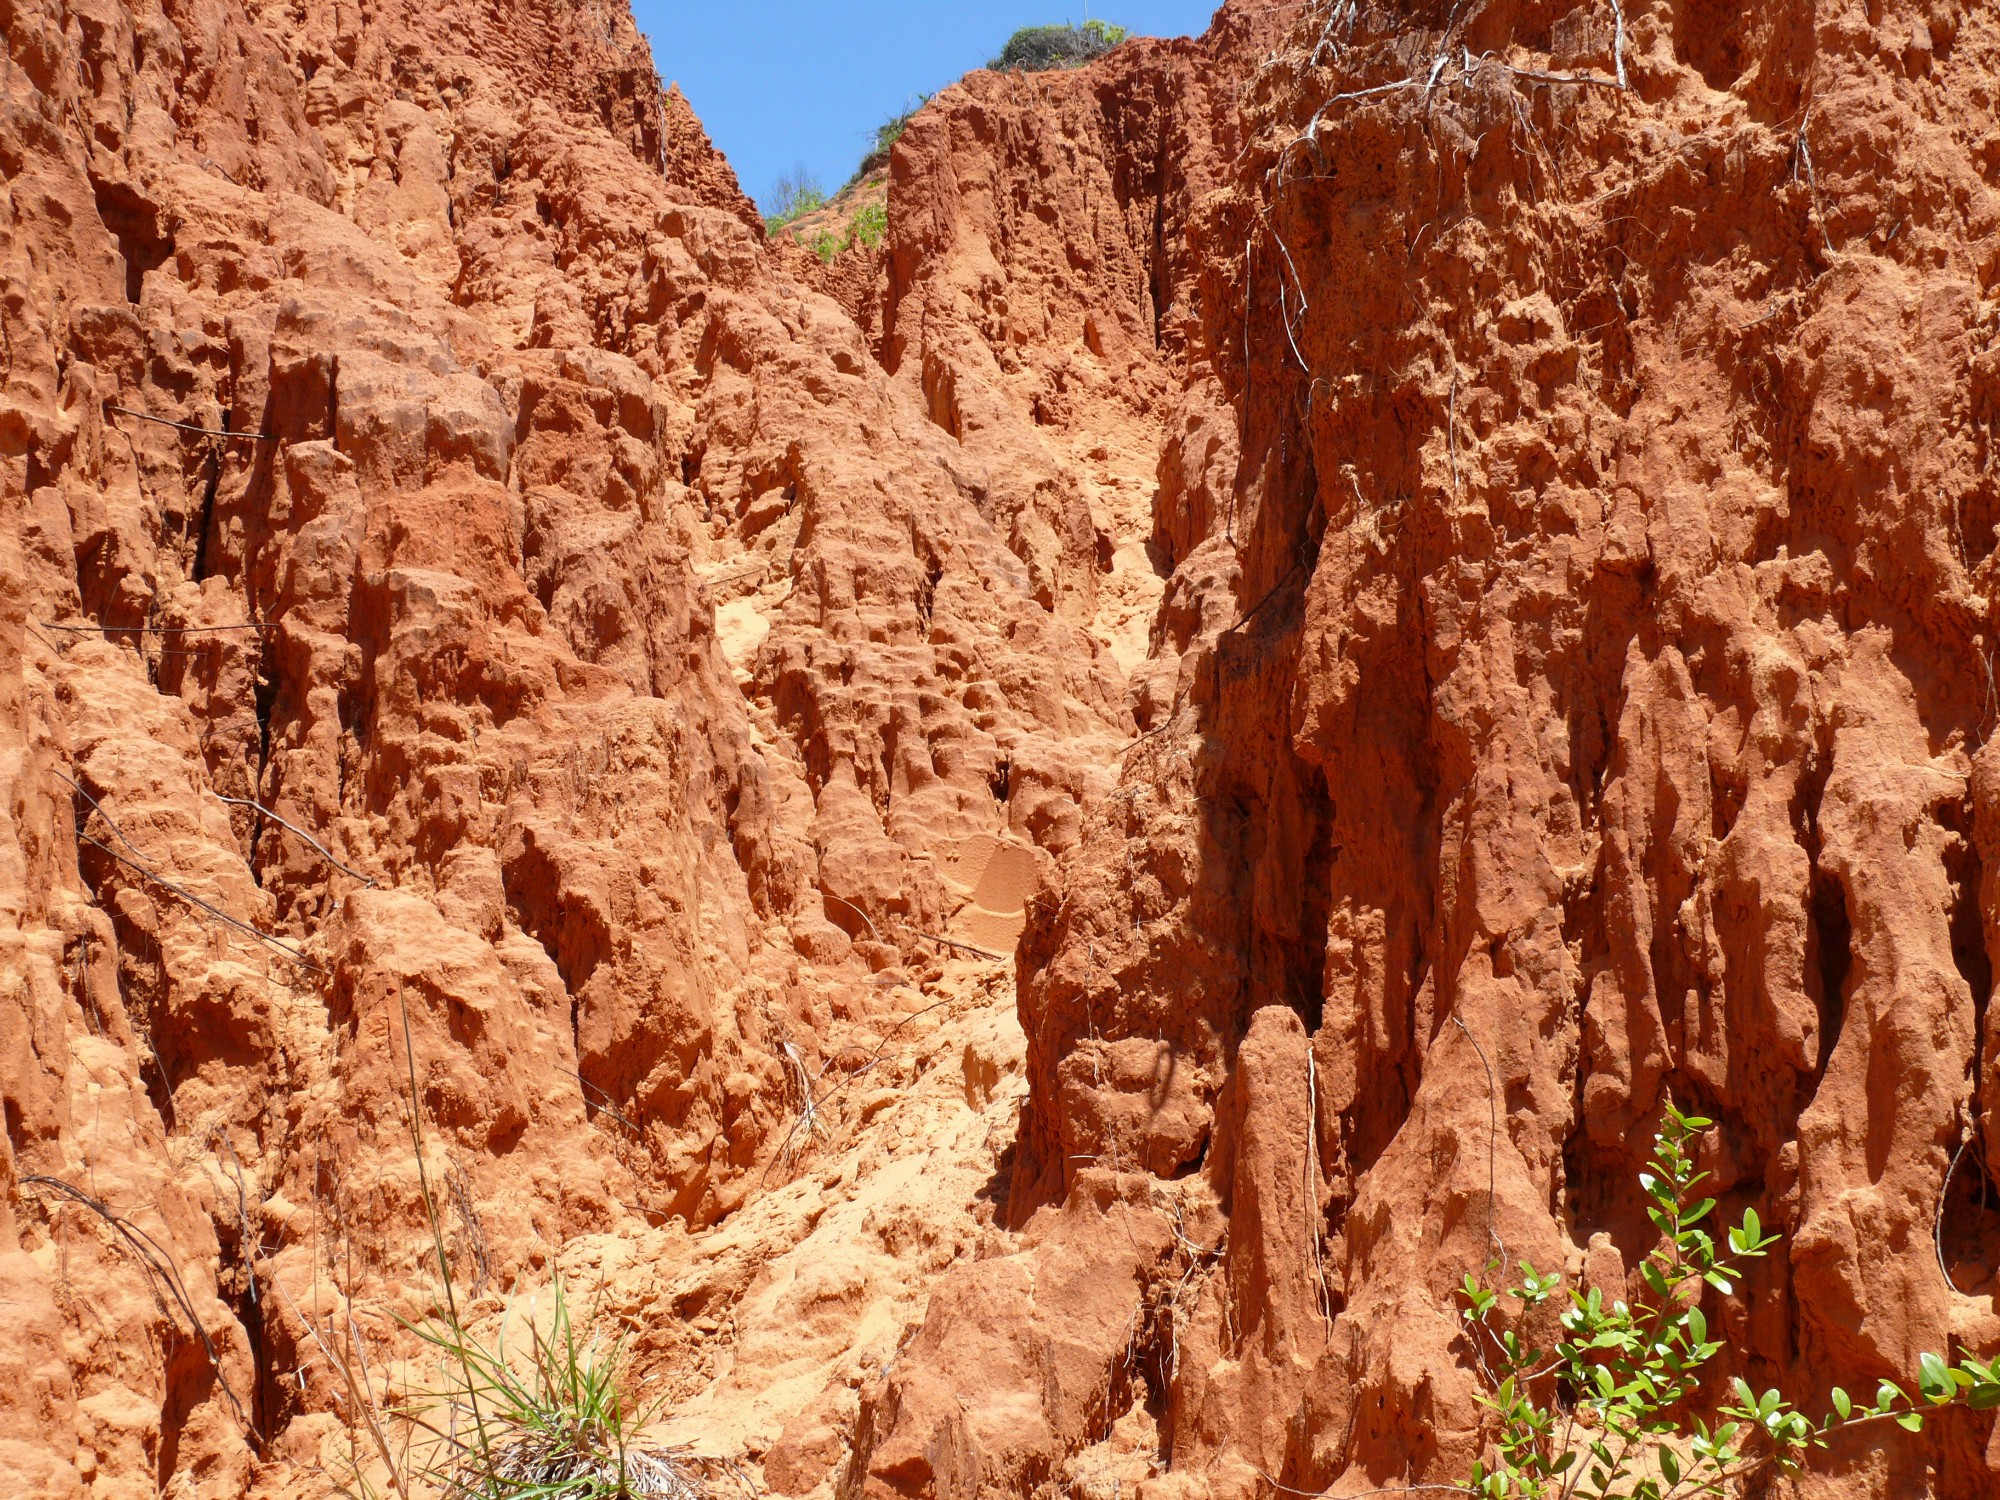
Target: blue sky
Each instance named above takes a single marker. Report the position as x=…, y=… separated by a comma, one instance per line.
x=785, y=83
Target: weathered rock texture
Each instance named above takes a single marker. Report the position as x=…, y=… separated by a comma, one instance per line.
x=1452, y=599
x=1570, y=689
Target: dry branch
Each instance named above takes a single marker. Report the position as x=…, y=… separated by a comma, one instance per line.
x=872, y=931
x=360, y=1390
x=605, y=1102
x=255, y=437
x=154, y=629
x=327, y=853
x=1805, y=159
x=945, y=942
x=143, y=867
x=1492, y=1144
x=1442, y=61
x=160, y=1272
x=838, y=1089
x=282, y=949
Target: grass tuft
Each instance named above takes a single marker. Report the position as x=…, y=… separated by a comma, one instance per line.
x=886, y=135
x=553, y=1421
x=868, y=228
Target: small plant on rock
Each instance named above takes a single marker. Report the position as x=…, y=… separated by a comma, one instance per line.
x=869, y=226
x=1610, y=1414
x=867, y=229
x=1034, y=49
x=793, y=196
x=553, y=1421
x=886, y=135
x=548, y=1422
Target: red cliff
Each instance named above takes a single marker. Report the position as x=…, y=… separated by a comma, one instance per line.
x=1432, y=565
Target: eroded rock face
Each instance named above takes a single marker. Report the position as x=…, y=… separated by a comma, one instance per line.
x=1452, y=606
x=374, y=731
x=1581, y=531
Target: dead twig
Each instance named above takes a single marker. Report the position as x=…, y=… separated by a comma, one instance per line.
x=604, y=1102
x=1284, y=311
x=153, y=629
x=1492, y=1144
x=216, y=432
x=1162, y=729
x=876, y=1056
x=360, y=1391
x=1400, y=1489
x=242, y=1212
x=98, y=808
x=764, y=567
x=945, y=942
x=282, y=949
x=1944, y=1190
x=1429, y=83
x=1199, y=1259
x=1252, y=612
x=1803, y=157
x=1322, y=1297
x=872, y=931
x=808, y=1106
x=59, y=647
x=1451, y=429
x=326, y=853
x=145, y=868
x=1326, y=38
x=160, y=1272
x=819, y=1104
x=1535, y=75
x=475, y=1234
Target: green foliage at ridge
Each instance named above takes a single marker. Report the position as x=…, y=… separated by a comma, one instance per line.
x=1031, y=49
x=867, y=229
x=1034, y=49
x=797, y=194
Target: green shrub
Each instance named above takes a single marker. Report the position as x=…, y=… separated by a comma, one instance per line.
x=867, y=228
x=1033, y=49
x=885, y=137
x=891, y=131
x=870, y=226
x=793, y=196
x=1611, y=1415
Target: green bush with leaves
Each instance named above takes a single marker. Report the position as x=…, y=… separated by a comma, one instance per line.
x=886, y=135
x=1034, y=49
x=794, y=195
x=870, y=226
x=867, y=228
x=1612, y=1412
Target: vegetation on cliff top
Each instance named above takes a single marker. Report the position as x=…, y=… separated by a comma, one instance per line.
x=796, y=194
x=1032, y=49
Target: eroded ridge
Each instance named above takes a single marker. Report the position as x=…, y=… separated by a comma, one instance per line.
x=1017, y=850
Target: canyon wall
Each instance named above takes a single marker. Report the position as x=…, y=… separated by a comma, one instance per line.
x=1569, y=692
x=1432, y=564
